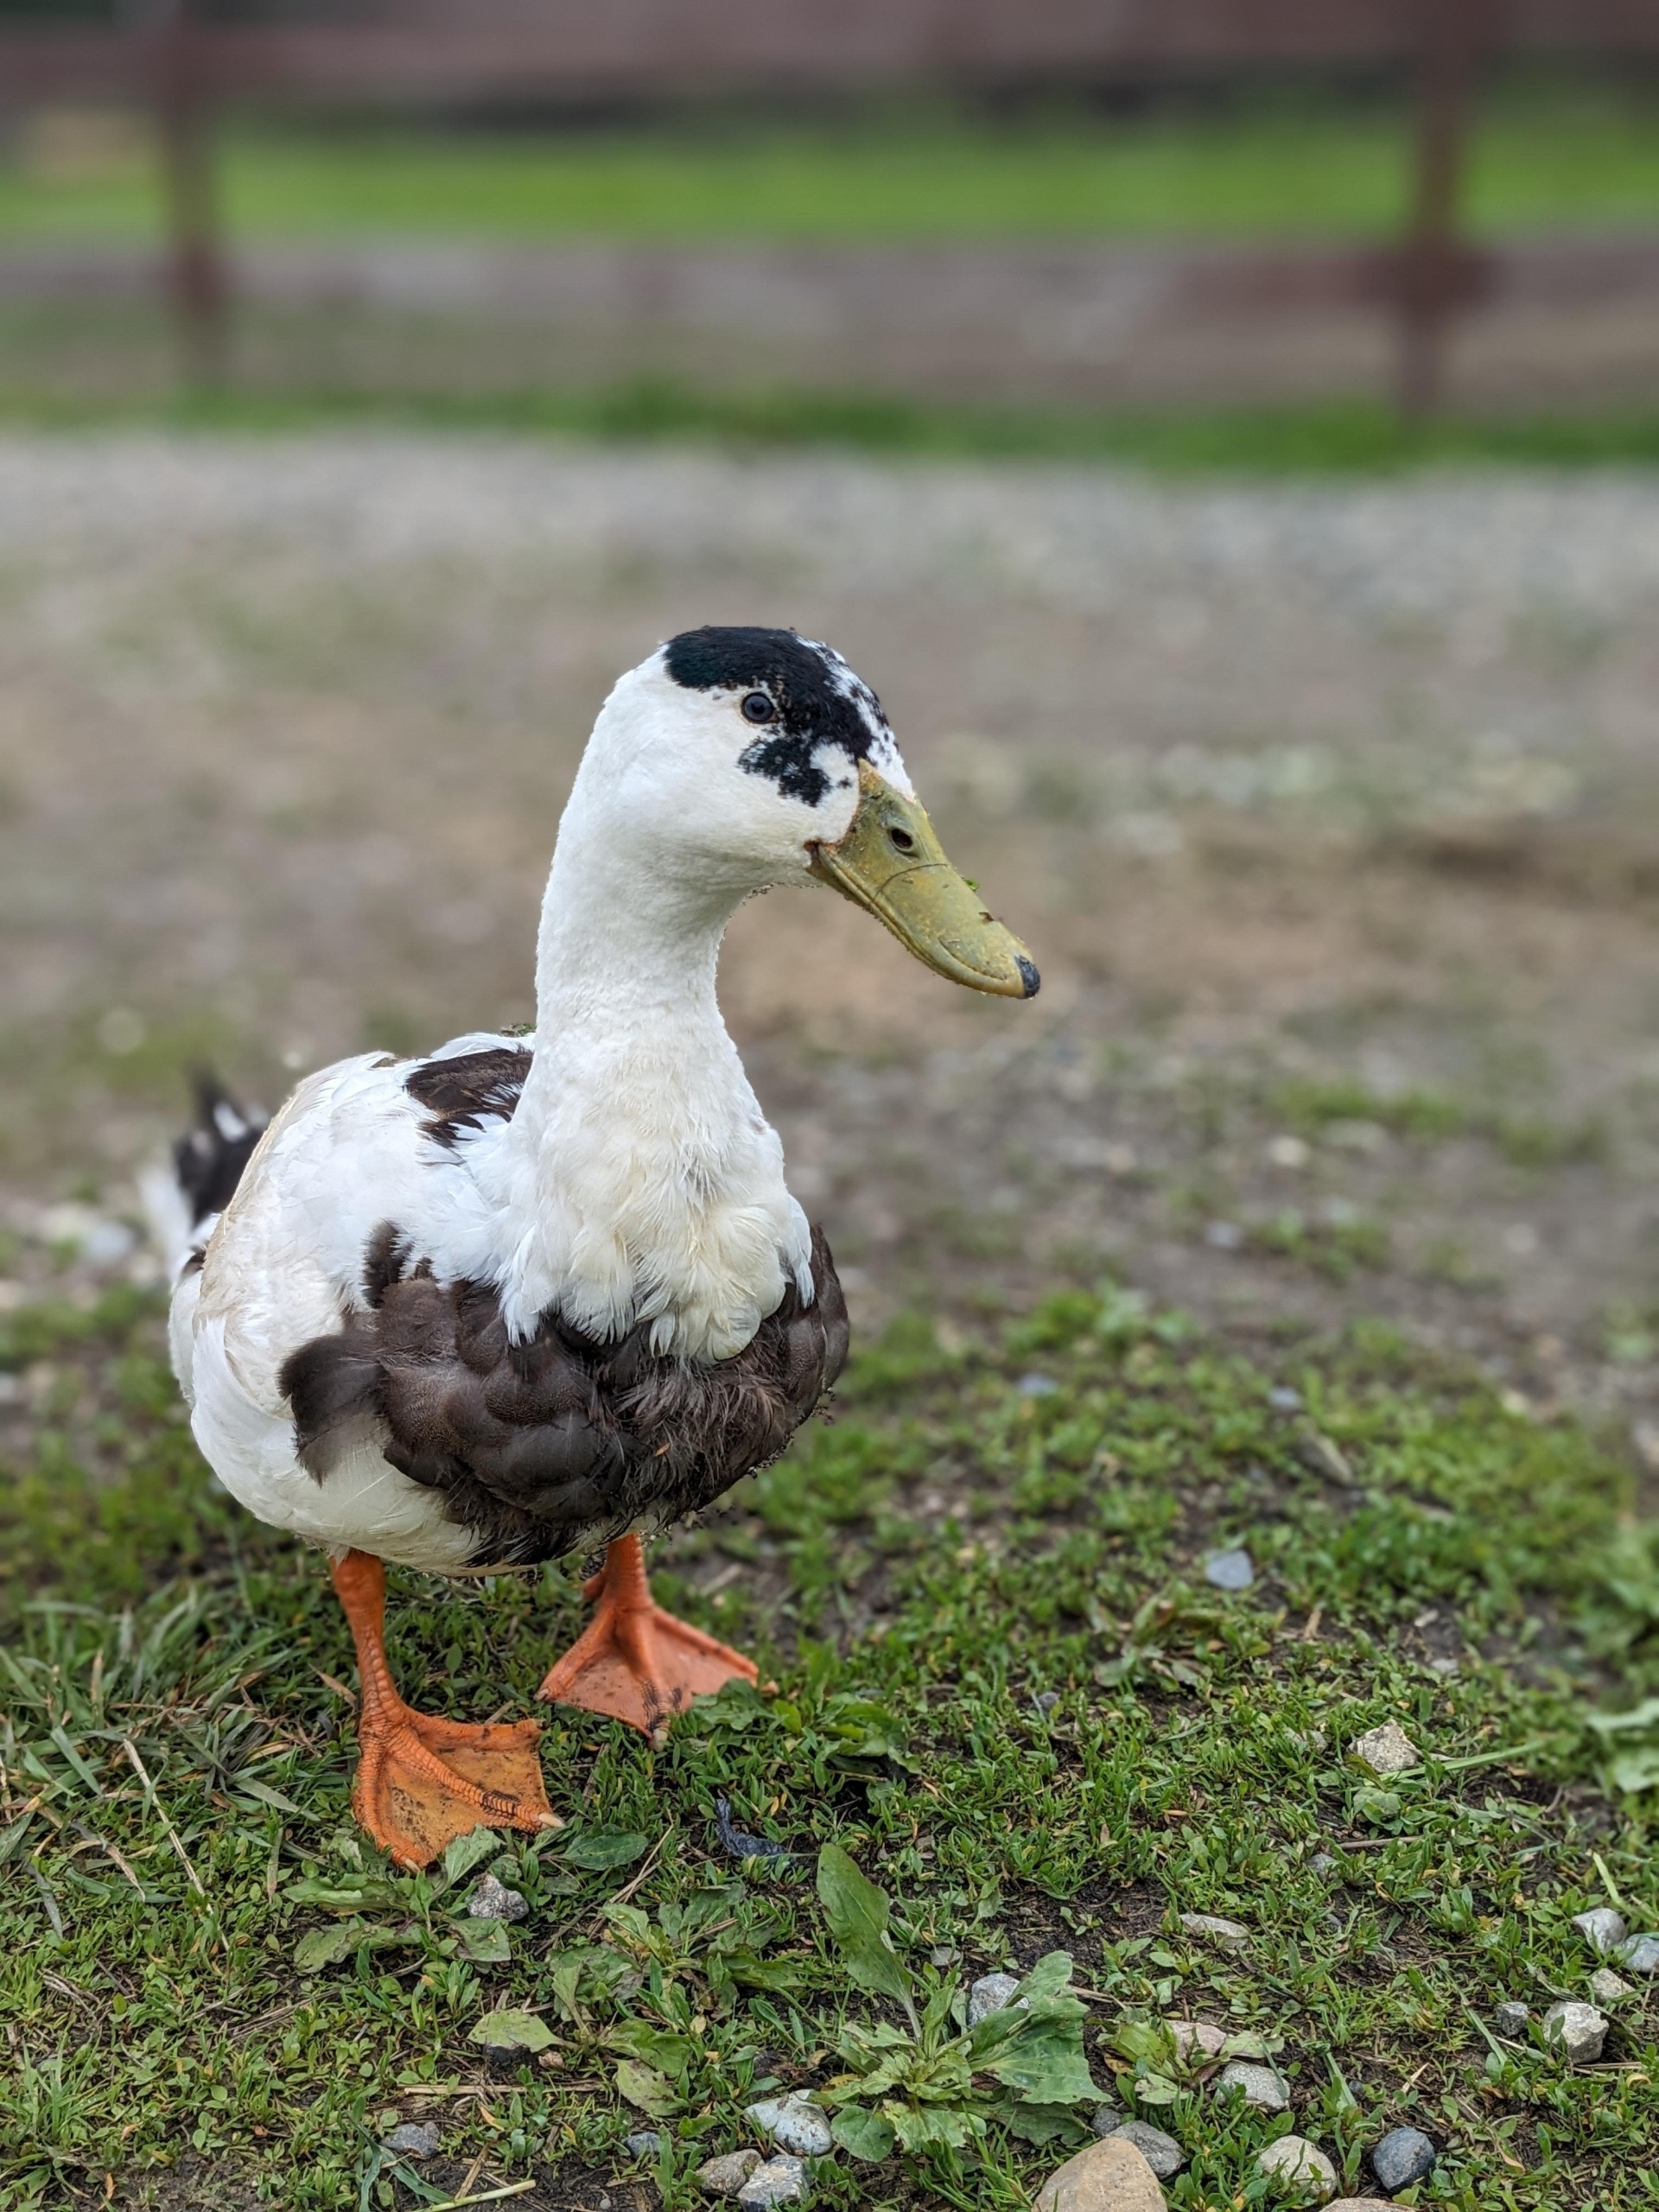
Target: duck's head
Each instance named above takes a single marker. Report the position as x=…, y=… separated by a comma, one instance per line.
x=751, y=758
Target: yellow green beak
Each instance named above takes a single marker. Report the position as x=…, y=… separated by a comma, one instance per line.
x=891, y=863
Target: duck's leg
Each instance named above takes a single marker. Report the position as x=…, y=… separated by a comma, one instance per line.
x=421, y=1781
x=633, y=1660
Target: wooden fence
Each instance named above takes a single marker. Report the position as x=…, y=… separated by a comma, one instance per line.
x=187, y=61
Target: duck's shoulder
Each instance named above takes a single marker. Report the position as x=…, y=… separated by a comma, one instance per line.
x=469, y=1082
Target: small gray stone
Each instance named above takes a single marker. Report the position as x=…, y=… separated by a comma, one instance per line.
x=794, y=2123
x=943, y=1954
x=992, y=1993
x=493, y=1900
x=1208, y=1930
x=1045, y=1701
x=1230, y=1570
x=1264, y=2086
x=1036, y=1386
x=1512, y=2018
x=1302, y=2166
x=1161, y=2152
x=412, y=2140
x=725, y=2176
x=1578, y=2031
x=1387, y=1749
x=1602, y=1928
x=1323, y=1865
x=1107, y=2121
x=1640, y=1954
x=1607, y=1987
x=1284, y=1399
x=1404, y=2155
x=781, y=2181
x=644, y=2145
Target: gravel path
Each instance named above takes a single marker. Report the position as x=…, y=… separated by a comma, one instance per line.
x=1331, y=811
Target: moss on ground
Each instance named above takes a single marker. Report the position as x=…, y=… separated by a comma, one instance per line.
x=1005, y=1687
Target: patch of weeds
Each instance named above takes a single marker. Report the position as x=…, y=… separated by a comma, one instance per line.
x=1312, y=1106
x=1013, y=1721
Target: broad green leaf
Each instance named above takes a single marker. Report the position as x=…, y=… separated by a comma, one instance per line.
x=1377, y=1807
x=485, y=1941
x=591, y=1971
x=327, y=1947
x=1041, y=2124
x=600, y=1849
x=933, y=2128
x=868, y=2135
x=644, y=2089
x=857, y=1913
x=511, y=2030
x=468, y=1851
x=1146, y=2042
x=656, y=2048
x=1636, y=1771
x=1051, y=1974
x=1645, y=1715
x=1155, y=2090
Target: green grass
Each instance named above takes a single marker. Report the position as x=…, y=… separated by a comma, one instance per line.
x=1541, y=158
x=960, y=1544
x=1338, y=438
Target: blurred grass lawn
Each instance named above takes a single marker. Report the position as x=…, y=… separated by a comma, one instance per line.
x=1543, y=157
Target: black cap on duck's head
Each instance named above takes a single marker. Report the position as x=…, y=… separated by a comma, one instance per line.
x=766, y=756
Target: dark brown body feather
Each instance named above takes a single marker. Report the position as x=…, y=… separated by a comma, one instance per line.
x=557, y=1444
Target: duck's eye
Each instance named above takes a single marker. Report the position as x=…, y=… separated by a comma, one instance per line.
x=757, y=708
x=902, y=840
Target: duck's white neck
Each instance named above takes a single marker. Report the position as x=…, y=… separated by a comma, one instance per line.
x=652, y=1183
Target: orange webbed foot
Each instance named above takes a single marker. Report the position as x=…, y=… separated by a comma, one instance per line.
x=633, y=1660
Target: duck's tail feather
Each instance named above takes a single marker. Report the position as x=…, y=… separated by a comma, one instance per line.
x=185, y=1197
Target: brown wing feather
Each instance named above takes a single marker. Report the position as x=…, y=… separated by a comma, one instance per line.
x=554, y=1444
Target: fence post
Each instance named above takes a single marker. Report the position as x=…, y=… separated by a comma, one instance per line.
x=195, y=279
x=1435, y=277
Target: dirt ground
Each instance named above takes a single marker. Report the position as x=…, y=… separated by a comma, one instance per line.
x=1331, y=815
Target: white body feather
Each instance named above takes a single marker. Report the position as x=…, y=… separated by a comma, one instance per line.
x=637, y=1180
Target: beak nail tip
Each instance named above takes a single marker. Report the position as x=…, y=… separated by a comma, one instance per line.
x=1028, y=974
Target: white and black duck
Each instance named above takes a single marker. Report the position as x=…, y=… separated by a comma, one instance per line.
x=534, y=1294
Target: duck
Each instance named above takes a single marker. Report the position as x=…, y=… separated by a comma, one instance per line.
x=534, y=1296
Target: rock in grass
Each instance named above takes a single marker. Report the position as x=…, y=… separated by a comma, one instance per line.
x=1361, y=2204
x=493, y=1900
x=1108, y=2176
x=645, y=2142
x=1161, y=2152
x=1578, y=2031
x=1196, y=2040
x=1230, y=1570
x=412, y=2140
x=1208, y=1928
x=1607, y=1987
x=992, y=1993
x=1264, y=2086
x=1107, y=2121
x=1640, y=1954
x=794, y=2123
x=1387, y=1749
x=1602, y=1928
x=1404, y=2155
x=1512, y=2018
x=780, y=2181
x=725, y=2176
x=1301, y=2165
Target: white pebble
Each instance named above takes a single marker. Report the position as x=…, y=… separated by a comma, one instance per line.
x=794, y=2122
x=1302, y=2166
